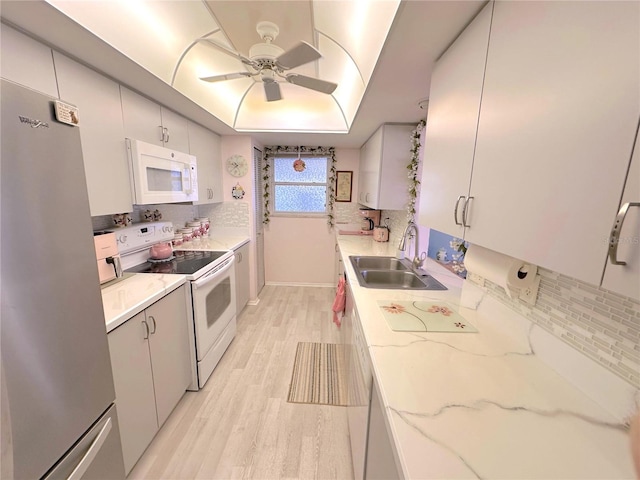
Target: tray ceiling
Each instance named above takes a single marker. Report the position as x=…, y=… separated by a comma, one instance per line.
x=171, y=40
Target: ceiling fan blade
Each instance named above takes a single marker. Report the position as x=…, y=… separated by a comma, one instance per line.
x=272, y=91
x=298, y=55
x=227, y=76
x=228, y=51
x=313, y=83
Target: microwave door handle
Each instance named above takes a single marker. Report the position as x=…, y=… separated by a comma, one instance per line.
x=213, y=276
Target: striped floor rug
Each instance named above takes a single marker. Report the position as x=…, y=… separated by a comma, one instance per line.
x=319, y=375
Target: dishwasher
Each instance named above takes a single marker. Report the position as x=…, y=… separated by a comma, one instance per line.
x=360, y=384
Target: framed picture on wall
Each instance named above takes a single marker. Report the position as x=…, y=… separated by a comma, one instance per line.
x=344, y=181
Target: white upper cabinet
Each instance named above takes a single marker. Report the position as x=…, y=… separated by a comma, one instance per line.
x=450, y=135
x=382, y=174
x=205, y=145
x=27, y=62
x=176, y=130
x=625, y=279
x=147, y=121
x=369, y=173
x=101, y=132
x=560, y=107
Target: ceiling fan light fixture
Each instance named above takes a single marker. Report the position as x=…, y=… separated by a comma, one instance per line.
x=265, y=51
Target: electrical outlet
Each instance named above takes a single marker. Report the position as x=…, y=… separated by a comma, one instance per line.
x=529, y=294
x=474, y=278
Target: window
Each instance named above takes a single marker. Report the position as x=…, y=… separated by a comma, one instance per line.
x=300, y=192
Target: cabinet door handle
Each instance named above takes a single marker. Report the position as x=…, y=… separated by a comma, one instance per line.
x=615, y=232
x=146, y=327
x=165, y=134
x=366, y=198
x=211, y=190
x=455, y=210
x=161, y=133
x=464, y=211
x=154, y=324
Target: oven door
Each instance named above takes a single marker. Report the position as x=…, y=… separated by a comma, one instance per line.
x=214, y=305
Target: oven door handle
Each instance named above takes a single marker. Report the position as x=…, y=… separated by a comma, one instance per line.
x=210, y=277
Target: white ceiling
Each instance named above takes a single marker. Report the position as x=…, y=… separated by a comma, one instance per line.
x=420, y=32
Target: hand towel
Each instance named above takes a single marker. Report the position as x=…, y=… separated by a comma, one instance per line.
x=339, y=302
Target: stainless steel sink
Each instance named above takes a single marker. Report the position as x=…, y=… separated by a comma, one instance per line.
x=377, y=263
x=391, y=273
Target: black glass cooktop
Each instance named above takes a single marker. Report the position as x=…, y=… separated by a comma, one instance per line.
x=184, y=262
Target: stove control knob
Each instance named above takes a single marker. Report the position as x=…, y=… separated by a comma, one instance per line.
x=122, y=238
x=167, y=229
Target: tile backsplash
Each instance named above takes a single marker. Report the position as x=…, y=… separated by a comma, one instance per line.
x=601, y=324
x=226, y=214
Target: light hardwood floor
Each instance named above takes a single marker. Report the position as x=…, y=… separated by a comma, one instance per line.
x=240, y=425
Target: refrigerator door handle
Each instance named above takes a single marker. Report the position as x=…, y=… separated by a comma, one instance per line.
x=95, y=447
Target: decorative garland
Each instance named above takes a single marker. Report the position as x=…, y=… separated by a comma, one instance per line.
x=272, y=151
x=413, y=171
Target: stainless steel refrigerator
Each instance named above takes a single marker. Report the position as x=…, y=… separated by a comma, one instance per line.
x=58, y=414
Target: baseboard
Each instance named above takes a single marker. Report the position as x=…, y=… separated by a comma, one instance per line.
x=294, y=284
x=253, y=302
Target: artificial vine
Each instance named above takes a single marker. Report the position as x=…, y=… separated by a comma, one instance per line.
x=332, y=186
x=272, y=151
x=266, y=188
x=413, y=165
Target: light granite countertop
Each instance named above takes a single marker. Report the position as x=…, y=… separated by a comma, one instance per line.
x=510, y=401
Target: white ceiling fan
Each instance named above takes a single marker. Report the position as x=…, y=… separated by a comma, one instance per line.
x=270, y=63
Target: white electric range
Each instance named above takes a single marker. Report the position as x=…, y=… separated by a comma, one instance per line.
x=211, y=279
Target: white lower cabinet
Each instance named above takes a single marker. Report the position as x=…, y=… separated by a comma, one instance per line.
x=381, y=459
x=243, y=277
x=151, y=370
x=360, y=382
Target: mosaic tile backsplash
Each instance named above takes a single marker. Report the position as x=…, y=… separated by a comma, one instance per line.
x=601, y=324
x=227, y=214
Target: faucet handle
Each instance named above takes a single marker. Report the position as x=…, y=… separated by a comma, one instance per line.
x=418, y=262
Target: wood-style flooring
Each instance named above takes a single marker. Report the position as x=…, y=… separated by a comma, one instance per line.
x=240, y=425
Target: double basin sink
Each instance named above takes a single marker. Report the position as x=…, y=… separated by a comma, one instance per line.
x=391, y=273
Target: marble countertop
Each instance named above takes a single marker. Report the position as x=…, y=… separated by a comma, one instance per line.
x=216, y=242
x=490, y=404
x=137, y=291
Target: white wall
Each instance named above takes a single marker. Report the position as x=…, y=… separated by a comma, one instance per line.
x=301, y=250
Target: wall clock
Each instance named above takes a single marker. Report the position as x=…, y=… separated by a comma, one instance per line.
x=237, y=165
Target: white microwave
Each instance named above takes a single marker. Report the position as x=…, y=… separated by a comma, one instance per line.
x=161, y=175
